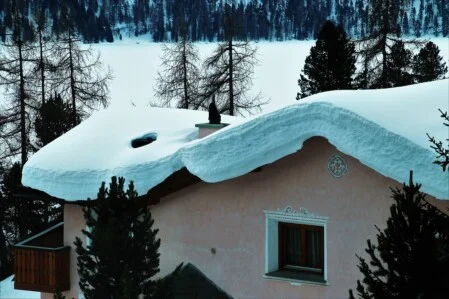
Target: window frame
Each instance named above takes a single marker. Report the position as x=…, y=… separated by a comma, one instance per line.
x=303, y=265
x=288, y=216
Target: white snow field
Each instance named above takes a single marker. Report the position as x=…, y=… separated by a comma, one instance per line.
x=7, y=291
x=135, y=65
x=384, y=129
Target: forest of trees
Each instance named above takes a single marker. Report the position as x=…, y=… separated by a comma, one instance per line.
x=385, y=57
x=163, y=20
x=49, y=83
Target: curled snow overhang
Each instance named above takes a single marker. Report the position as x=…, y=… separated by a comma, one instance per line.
x=391, y=148
x=389, y=154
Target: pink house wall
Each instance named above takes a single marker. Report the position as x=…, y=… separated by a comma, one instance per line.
x=73, y=223
x=228, y=217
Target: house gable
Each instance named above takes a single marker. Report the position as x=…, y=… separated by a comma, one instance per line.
x=221, y=227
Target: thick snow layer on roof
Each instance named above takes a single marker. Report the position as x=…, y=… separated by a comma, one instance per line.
x=384, y=129
x=7, y=291
x=411, y=111
x=73, y=166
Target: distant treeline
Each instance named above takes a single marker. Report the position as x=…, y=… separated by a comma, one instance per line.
x=106, y=20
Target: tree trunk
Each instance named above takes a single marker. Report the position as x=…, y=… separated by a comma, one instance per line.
x=231, y=79
x=41, y=65
x=22, y=96
x=385, y=30
x=184, y=65
x=384, y=61
x=72, y=81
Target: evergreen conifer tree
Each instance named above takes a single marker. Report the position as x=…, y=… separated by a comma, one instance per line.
x=5, y=261
x=258, y=19
x=398, y=66
x=123, y=256
x=411, y=259
x=375, y=49
x=437, y=145
x=428, y=65
x=330, y=64
x=20, y=217
x=52, y=120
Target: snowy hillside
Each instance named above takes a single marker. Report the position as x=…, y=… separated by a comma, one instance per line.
x=162, y=20
x=383, y=129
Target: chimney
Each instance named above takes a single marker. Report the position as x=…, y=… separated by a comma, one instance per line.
x=214, y=122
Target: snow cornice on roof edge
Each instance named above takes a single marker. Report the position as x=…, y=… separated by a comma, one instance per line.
x=238, y=149
x=387, y=153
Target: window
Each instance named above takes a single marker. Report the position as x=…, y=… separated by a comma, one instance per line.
x=301, y=247
x=295, y=246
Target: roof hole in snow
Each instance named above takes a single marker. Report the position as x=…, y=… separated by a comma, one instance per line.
x=143, y=140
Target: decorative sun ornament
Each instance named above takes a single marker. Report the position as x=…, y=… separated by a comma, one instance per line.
x=337, y=166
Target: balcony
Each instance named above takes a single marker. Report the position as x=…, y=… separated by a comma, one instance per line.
x=42, y=262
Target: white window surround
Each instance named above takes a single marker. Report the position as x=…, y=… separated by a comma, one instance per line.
x=288, y=215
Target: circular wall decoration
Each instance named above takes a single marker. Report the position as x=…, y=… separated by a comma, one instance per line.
x=337, y=166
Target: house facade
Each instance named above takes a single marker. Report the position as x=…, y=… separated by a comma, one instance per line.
x=282, y=207
x=230, y=229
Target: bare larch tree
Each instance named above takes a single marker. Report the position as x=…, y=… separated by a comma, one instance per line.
x=15, y=55
x=179, y=79
x=228, y=74
x=374, y=50
x=44, y=64
x=81, y=76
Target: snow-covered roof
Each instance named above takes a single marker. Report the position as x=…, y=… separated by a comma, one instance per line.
x=383, y=129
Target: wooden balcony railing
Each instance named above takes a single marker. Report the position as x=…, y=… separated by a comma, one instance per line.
x=42, y=263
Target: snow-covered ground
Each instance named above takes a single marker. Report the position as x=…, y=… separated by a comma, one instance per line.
x=135, y=72
x=7, y=291
x=135, y=65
